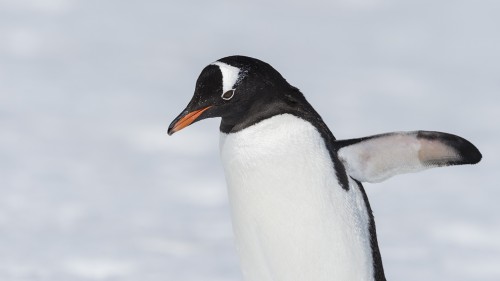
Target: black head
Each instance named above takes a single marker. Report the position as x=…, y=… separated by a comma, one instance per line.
x=241, y=90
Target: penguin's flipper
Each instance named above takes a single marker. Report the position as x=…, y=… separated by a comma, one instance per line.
x=377, y=158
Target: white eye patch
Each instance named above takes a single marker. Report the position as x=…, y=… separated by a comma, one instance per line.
x=230, y=76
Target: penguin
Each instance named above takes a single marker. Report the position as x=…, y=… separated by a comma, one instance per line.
x=298, y=207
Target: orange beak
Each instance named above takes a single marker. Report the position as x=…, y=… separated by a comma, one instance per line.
x=185, y=119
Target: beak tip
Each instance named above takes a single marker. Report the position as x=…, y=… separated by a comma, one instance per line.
x=185, y=119
x=171, y=130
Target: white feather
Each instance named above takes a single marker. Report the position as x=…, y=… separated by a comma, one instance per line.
x=291, y=219
x=230, y=75
x=381, y=157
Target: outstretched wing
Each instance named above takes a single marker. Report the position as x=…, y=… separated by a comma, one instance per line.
x=379, y=157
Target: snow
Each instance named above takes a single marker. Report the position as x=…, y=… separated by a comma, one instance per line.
x=92, y=188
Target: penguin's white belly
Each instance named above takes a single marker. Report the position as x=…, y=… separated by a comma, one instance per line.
x=291, y=218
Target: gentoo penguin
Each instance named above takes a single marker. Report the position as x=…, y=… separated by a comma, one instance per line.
x=298, y=208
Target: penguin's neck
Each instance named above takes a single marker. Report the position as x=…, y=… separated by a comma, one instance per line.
x=291, y=218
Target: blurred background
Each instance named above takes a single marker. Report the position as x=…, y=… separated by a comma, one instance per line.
x=92, y=188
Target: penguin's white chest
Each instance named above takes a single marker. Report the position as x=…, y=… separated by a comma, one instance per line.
x=291, y=218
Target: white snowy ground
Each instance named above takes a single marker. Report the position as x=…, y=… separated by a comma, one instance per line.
x=92, y=188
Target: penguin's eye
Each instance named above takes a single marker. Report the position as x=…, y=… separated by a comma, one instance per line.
x=228, y=95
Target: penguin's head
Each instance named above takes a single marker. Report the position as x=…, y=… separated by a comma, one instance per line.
x=237, y=88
